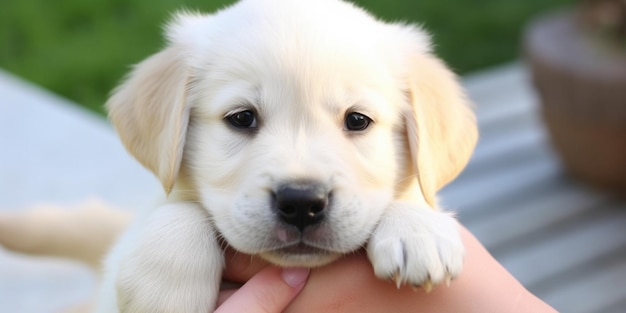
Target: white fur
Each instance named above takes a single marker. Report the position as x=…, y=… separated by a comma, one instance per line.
x=302, y=66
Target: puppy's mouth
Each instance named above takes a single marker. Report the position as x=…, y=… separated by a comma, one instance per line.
x=300, y=254
x=300, y=249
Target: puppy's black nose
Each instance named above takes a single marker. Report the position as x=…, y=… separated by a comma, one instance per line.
x=301, y=204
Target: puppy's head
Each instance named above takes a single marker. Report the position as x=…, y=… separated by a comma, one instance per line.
x=296, y=122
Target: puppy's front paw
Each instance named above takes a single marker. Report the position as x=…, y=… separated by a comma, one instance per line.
x=417, y=246
x=172, y=263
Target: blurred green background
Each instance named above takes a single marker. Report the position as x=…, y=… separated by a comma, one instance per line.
x=81, y=49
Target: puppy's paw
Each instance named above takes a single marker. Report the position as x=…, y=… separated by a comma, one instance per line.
x=416, y=246
x=173, y=263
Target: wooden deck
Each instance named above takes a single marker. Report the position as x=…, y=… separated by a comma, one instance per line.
x=564, y=241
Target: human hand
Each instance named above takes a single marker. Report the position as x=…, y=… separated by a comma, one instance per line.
x=270, y=290
x=349, y=285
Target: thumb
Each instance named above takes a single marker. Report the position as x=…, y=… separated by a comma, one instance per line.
x=269, y=291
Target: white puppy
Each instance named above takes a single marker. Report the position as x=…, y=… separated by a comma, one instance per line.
x=295, y=130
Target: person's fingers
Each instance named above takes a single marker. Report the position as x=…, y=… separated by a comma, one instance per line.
x=241, y=267
x=269, y=291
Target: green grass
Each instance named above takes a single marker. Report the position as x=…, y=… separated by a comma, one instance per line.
x=81, y=48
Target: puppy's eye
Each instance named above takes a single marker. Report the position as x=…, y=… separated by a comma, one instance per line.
x=243, y=119
x=357, y=121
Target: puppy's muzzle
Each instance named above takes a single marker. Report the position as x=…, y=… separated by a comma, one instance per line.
x=301, y=204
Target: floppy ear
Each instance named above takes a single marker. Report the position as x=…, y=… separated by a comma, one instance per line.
x=150, y=113
x=441, y=127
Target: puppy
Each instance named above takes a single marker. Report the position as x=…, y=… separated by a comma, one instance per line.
x=294, y=130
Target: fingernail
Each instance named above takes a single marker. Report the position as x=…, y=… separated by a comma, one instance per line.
x=295, y=276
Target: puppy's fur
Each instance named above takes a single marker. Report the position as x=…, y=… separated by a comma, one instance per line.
x=256, y=101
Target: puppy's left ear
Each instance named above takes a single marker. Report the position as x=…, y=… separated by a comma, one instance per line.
x=441, y=127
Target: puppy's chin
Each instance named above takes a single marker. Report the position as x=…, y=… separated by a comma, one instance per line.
x=298, y=257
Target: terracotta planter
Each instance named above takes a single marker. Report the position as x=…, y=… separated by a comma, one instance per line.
x=581, y=81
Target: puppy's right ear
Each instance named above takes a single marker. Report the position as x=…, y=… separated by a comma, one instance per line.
x=150, y=112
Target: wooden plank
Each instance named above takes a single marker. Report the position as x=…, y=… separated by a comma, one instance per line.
x=600, y=289
x=550, y=252
x=615, y=308
x=499, y=86
x=483, y=192
x=516, y=115
x=539, y=211
x=504, y=148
